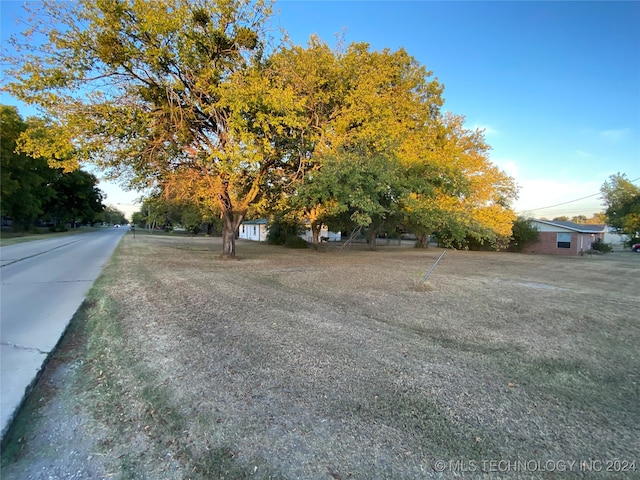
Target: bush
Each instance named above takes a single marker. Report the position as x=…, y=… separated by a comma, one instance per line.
x=193, y=229
x=523, y=232
x=282, y=230
x=295, y=242
x=600, y=246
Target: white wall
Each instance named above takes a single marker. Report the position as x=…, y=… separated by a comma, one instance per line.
x=253, y=231
x=324, y=232
x=615, y=240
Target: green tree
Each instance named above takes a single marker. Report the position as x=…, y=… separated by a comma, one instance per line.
x=76, y=199
x=523, y=233
x=153, y=212
x=147, y=89
x=138, y=219
x=24, y=179
x=622, y=199
x=356, y=186
x=455, y=189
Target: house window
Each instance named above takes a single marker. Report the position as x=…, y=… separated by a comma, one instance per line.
x=242, y=228
x=254, y=229
x=564, y=240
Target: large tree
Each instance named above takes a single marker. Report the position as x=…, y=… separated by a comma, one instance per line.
x=355, y=108
x=482, y=203
x=622, y=199
x=147, y=89
x=353, y=189
x=377, y=146
x=45, y=184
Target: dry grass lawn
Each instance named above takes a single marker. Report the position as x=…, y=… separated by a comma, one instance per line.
x=335, y=364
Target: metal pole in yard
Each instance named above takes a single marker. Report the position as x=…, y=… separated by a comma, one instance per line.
x=354, y=234
x=426, y=275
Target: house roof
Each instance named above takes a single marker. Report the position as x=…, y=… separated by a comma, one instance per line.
x=259, y=221
x=576, y=227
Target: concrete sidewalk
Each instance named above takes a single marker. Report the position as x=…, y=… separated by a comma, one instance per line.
x=43, y=285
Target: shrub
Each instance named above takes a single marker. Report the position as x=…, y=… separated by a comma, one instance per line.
x=295, y=242
x=281, y=229
x=523, y=232
x=600, y=246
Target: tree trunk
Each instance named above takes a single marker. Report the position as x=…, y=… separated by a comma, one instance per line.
x=230, y=222
x=422, y=240
x=316, y=227
x=372, y=237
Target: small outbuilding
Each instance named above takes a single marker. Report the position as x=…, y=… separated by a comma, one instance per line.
x=257, y=230
x=254, y=230
x=565, y=238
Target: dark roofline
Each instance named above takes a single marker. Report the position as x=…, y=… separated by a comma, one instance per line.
x=259, y=221
x=576, y=227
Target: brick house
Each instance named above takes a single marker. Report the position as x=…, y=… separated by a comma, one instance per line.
x=564, y=238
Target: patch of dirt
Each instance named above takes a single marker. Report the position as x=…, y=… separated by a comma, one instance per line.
x=300, y=364
x=59, y=440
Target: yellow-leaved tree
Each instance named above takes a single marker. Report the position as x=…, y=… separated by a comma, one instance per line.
x=376, y=151
x=149, y=91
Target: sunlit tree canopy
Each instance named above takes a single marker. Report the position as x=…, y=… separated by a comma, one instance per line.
x=188, y=97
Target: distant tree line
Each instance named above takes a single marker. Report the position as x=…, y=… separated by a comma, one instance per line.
x=595, y=219
x=160, y=213
x=34, y=193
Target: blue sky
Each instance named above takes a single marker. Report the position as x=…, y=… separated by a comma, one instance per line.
x=556, y=85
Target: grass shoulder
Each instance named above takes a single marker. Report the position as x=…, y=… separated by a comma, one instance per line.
x=12, y=238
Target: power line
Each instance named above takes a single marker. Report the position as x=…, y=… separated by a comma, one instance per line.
x=576, y=200
x=565, y=203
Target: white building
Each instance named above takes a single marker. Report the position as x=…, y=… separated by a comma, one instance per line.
x=325, y=235
x=257, y=230
x=253, y=230
x=615, y=240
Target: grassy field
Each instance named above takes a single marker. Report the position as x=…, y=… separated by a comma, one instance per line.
x=338, y=364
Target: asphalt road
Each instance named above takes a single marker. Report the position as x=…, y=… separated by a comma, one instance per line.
x=43, y=284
